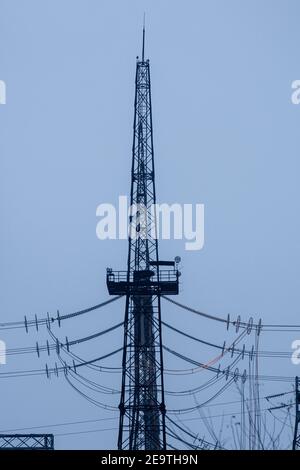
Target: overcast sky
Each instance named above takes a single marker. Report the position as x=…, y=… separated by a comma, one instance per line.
x=226, y=134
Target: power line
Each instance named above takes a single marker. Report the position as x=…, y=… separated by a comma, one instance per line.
x=49, y=320
x=84, y=432
x=69, y=423
x=37, y=349
x=227, y=370
x=193, y=436
x=237, y=323
x=231, y=348
x=56, y=370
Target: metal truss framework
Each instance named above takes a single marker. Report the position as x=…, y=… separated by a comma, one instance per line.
x=26, y=441
x=296, y=440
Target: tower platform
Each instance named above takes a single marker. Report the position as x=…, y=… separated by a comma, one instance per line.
x=144, y=282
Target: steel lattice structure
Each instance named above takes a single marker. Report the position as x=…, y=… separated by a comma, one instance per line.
x=26, y=441
x=296, y=440
x=142, y=403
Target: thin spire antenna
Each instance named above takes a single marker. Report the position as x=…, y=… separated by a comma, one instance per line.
x=143, y=52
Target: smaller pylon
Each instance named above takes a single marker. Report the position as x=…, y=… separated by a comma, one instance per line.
x=296, y=440
x=26, y=441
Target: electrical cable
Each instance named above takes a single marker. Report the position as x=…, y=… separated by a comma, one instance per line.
x=237, y=323
x=232, y=349
x=48, y=320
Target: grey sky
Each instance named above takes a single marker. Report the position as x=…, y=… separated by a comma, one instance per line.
x=225, y=134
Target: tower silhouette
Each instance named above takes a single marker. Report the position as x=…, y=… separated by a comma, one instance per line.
x=142, y=403
x=296, y=440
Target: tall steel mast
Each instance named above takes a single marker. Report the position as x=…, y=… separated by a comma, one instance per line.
x=142, y=403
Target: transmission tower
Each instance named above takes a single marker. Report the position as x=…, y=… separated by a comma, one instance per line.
x=296, y=440
x=142, y=403
x=26, y=441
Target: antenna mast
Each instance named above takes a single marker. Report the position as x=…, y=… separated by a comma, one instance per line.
x=142, y=403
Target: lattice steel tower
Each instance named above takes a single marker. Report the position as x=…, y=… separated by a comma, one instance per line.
x=142, y=403
x=296, y=440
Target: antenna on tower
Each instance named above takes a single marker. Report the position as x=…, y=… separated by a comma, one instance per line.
x=143, y=51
